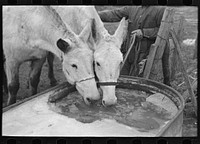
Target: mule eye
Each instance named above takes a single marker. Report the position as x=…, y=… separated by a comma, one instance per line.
x=97, y=63
x=74, y=66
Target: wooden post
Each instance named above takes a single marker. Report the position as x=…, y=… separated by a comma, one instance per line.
x=157, y=49
x=195, y=50
x=189, y=86
x=150, y=60
x=179, y=31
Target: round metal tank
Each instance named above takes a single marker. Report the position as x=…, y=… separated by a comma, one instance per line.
x=18, y=119
x=174, y=127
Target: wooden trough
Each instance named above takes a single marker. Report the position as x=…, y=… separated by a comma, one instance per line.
x=33, y=117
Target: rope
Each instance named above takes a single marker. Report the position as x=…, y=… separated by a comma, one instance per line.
x=171, y=21
x=167, y=22
x=162, y=38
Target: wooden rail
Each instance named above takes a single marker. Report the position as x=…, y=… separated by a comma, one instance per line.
x=174, y=61
x=157, y=49
x=180, y=57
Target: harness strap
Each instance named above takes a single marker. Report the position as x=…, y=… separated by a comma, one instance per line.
x=107, y=83
x=127, y=53
x=84, y=79
x=134, y=67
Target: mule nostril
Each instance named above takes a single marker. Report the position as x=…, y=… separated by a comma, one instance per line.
x=88, y=99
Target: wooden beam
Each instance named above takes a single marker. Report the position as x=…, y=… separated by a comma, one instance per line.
x=156, y=51
x=188, y=83
x=195, y=50
x=179, y=28
x=150, y=60
x=179, y=32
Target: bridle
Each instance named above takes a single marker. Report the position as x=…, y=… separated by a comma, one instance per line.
x=125, y=58
x=99, y=83
x=85, y=79
x=107, y=83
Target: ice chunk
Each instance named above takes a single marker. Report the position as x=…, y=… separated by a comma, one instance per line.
x=164, y=102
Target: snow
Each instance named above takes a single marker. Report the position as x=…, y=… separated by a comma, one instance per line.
x=189, y=42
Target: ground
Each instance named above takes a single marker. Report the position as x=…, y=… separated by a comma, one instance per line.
x=190, y=32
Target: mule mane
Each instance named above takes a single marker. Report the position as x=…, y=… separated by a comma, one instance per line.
x=58, y=22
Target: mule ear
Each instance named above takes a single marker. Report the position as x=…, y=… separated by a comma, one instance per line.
x=121, y=31
x=63, y=46
x=86, y=32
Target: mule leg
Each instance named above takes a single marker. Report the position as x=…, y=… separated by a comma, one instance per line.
x=12, y=73
x=50, y=59
x=34, y=75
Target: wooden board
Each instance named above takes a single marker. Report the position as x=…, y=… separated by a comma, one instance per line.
x=157, y=50
x=174, y=61
x=189, y=86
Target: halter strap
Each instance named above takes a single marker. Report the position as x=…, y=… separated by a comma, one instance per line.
x=85, y=79
x=107, y=83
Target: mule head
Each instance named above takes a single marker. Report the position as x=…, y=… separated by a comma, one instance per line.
x=108, y=59
x=77, y=63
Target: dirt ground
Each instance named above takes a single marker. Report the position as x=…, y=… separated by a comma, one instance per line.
x=190, y=32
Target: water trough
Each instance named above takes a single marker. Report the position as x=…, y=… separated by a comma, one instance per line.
x=34, y=116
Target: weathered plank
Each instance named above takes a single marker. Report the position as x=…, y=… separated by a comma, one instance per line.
x=179, y=32
x=195, y=50
x=179, y=28
x=150, y=60
x=127, y=53
x=157, y=50
x=188, y=83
